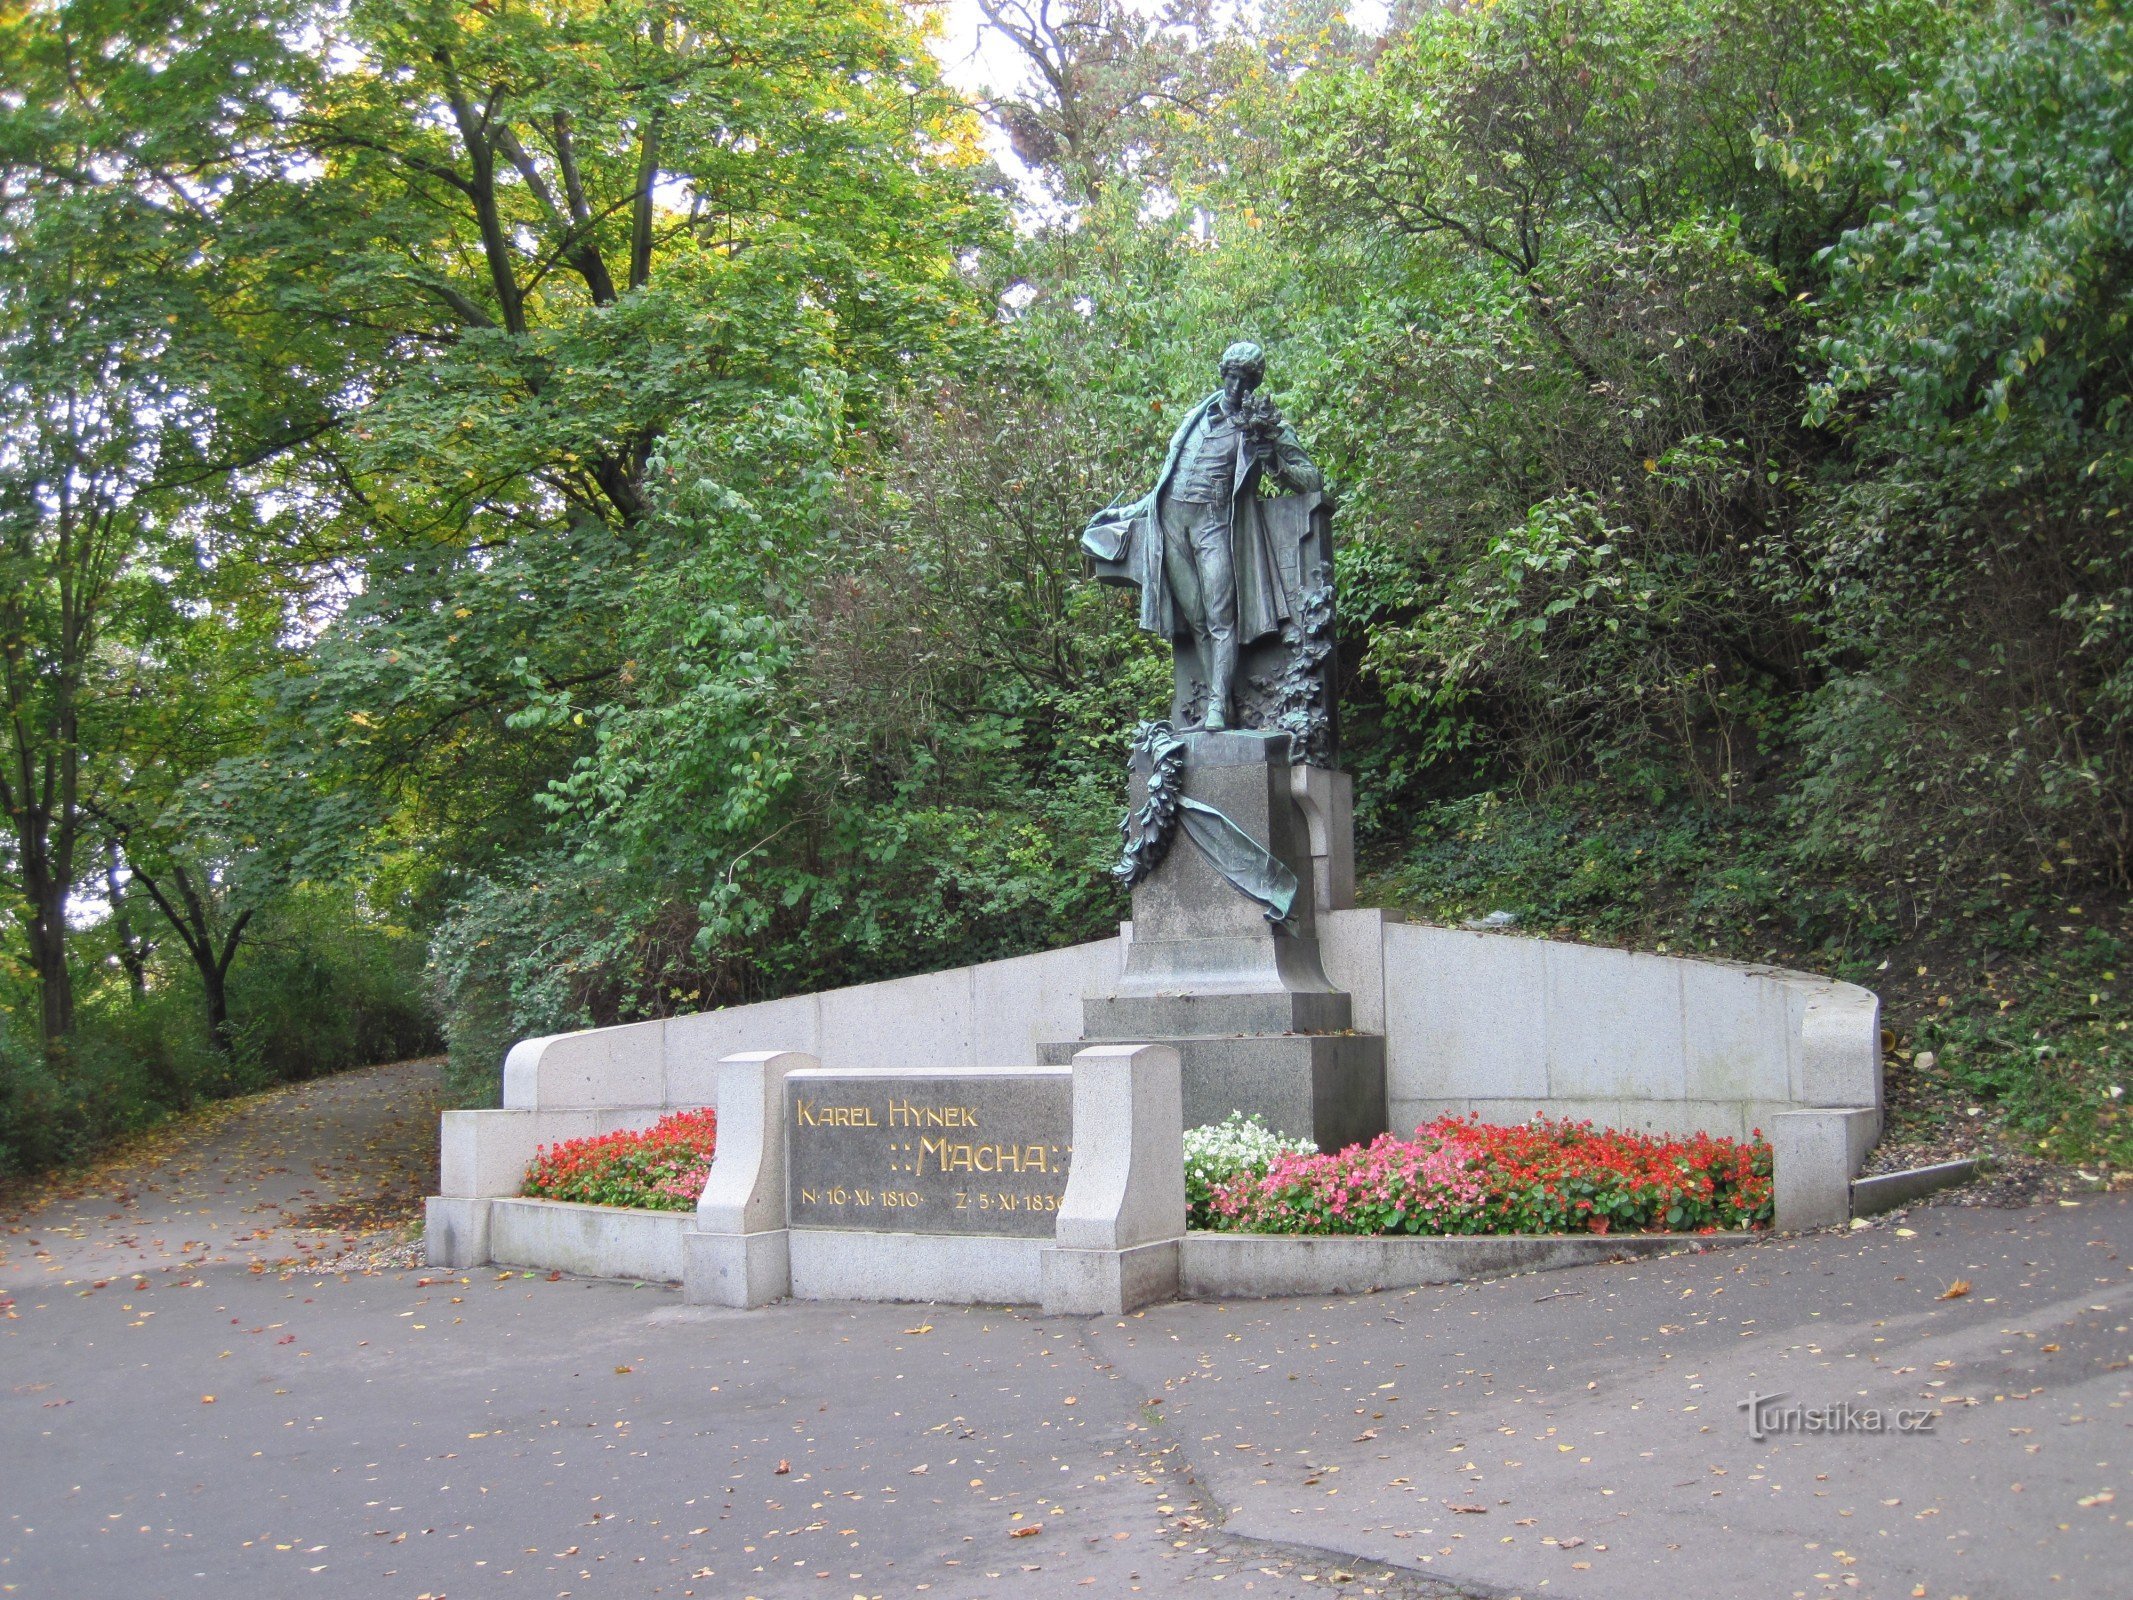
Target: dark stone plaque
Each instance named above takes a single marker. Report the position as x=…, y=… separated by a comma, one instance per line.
x=929, y=1152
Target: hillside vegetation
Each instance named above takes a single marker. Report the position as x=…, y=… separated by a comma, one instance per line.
x=589, y=491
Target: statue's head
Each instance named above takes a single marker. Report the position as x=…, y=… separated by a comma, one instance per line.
x=1244, y=360
x=1243, y=365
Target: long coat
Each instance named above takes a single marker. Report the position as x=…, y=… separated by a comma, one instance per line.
x=1263, y=600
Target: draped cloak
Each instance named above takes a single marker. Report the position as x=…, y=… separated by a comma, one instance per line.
x=1127, y=541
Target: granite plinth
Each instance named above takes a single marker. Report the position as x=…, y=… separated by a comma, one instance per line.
x=1190, y=1012
x=1246, y=1003
x=1193, y=930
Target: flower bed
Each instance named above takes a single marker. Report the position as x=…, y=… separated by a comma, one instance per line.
x=1463, y=1176
x=660, y=1168
x=1221, y=1152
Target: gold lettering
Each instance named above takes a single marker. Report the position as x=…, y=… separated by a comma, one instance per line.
x=803, y=1113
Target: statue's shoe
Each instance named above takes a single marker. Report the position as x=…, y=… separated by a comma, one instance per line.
x=1213, y=722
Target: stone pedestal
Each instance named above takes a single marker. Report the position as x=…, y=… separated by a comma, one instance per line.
x=1244, y=1001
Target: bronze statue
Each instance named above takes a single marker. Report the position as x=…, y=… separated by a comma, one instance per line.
x=1240, y=583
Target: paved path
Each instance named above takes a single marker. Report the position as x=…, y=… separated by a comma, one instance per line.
x=280, y=1433
x=1580, y=1433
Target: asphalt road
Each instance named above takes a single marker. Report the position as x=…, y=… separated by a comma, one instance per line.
x=193, y=1400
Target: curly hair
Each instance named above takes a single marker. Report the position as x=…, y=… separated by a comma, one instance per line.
x=1247, y=358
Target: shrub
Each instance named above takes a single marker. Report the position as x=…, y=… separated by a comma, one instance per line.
x=322, y=985
x=1237, y=1146
x=128, y=1066
x=660, y=1168
x=1460, y=1175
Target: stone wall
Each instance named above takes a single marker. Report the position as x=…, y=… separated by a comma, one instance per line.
x=1493, y=1023
x=1508, y=1026
x=992, y=1015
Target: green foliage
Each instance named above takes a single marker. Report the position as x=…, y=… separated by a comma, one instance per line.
x=2042, y=1044
x=322, y=985
x=601, y=483
x=529, y=954
x=1589, y=862
x=129, y=1066
x=1969, y=572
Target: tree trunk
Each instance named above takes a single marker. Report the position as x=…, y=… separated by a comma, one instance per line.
x=193, y=921
x=132, y=949
x=215, y=991
x=48, y=955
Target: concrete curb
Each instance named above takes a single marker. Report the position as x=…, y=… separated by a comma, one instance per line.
x=1885, y=1191
x=1258, y=1266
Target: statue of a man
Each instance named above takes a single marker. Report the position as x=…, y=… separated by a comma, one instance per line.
x=1211, y=577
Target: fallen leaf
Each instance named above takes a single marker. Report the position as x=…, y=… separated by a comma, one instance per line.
x=782, y=1468
x=923, y=1327
x=1024, y=1533
x=1570, y=1543
x=1957, y=1289
x=207, y=1399
x=1479, y=1511
x=624, y=1371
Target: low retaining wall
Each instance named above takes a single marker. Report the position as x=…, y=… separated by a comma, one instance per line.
x=826, y=1264
x=833, y=1264
x=1885, y=1191
x=1258, y=1266
x=560, y=1236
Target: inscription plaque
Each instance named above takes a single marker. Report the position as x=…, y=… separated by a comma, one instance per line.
x=973, y=1152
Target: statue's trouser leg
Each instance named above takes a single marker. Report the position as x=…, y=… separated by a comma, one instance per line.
x=1217, y=572
x=1183, y=577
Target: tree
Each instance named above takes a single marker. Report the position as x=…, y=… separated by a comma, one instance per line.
x=142, y=373
x=567, y=229
x=1102, y=76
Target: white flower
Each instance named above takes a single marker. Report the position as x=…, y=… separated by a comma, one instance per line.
x=1219, y=1151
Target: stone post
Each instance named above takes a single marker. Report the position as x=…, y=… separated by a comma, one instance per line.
x=739, y=1253
x=1122, y=1217
x=1813, y=1157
